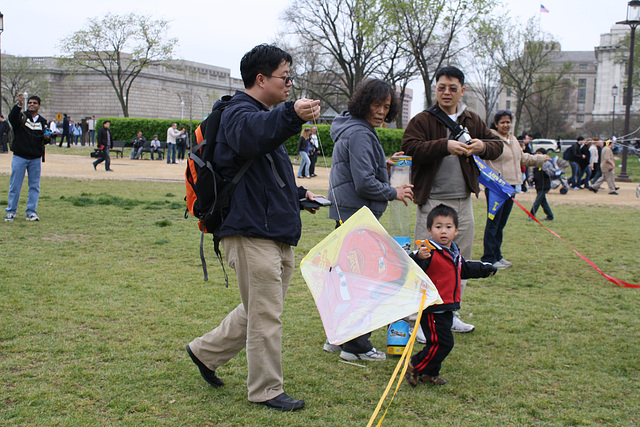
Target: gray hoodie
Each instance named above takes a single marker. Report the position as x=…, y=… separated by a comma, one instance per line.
x=359, y=174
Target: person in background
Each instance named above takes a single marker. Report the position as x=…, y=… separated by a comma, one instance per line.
x=84, y=127
x=28, y=154
x=182, y=141
x=542, y=182
x=314, y=151
x=360, y=176
x=507, y=165
x=303, y=152
x=105, y=143
x=137, y=146
x=594, y=159
x=92, y=129
x=172, y=134
x=55, y=133
x=4, y=134
x=65, y=131
x=155, y=147
x=608, y=166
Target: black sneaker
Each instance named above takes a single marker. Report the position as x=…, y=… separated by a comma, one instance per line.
x=208, y=375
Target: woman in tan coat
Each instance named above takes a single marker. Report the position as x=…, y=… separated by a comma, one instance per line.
x=508, y=167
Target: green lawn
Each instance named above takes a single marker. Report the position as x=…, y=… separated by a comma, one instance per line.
x=99, y=298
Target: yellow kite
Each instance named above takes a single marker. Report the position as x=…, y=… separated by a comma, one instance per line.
x=361, y=279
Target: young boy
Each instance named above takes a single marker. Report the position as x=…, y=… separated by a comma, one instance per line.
x=542, y=181
x=446, y=267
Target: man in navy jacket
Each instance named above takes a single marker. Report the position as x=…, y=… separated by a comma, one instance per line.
x=262, y=226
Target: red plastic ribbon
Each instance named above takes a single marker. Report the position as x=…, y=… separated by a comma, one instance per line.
x=612, y=279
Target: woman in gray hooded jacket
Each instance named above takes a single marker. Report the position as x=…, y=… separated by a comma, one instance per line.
x=360, y=175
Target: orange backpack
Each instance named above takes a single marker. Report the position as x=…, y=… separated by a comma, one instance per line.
x=208, y=192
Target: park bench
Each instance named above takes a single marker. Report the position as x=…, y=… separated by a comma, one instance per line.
x=147, y=149
x=118, y=148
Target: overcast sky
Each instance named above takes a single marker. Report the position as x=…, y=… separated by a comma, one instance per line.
x=220, y=32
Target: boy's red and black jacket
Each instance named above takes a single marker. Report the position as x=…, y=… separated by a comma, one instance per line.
x=446, y=272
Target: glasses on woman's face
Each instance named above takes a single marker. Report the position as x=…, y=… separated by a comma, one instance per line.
x=452, y=89
x=287, y=79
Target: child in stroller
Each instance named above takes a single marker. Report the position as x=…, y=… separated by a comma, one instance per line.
x=554, y=168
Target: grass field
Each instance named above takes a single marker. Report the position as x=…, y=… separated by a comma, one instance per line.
x=99, y=298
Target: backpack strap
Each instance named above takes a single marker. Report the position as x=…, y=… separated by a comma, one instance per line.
x=275, y=171
x=216, y=238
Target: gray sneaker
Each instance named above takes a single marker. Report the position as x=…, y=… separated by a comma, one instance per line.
x=371, y=355
x=461, y=327
x=10, y=217
x=500, y=265
x=505, y=262
x=328, y=347
x=32, y=217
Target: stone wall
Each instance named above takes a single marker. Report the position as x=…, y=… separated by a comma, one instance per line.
x=180, y=89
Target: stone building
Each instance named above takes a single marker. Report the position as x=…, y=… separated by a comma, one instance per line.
x=613, y=68
x=173, y=90
x=593, y=75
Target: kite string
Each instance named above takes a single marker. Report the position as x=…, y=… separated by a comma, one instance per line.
x=403, y=362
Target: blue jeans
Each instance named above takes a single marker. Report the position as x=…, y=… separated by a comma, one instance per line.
x=171, y=151
x=305, y=162
x=575, y=168
x=493, y=232
x=19, y=166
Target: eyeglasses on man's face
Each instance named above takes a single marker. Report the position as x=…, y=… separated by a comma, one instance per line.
x=287, y=79
x=452, y=89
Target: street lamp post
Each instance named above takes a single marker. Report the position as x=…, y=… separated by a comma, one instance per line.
x=614, y=92
x=181, y=110
x=1, y=30
x=633, y=20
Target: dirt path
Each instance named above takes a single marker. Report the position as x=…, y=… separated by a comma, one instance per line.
x=80, y=167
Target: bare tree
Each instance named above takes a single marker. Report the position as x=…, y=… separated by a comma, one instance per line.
x=341, y=43
x=119, y=47
x=434, y=32
x=547, y=109
x=524, y=57
x=487, y=85
x=19, y=75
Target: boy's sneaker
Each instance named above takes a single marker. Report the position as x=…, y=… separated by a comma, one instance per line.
x=10, y=217
x=371, y=355
x=424, y=378
x=32, y=217
x=328, y=347
x=461, y=327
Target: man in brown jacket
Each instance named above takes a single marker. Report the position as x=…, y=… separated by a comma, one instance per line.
x=443, y=170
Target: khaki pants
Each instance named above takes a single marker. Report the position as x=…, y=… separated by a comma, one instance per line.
x=264, y=269
x=466, y=225
x=607, y=176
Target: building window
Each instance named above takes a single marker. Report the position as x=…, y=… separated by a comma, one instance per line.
x=508, y=105
x=584, y=66
x=580, y=118
x=581, y=106
x=508, y=92
x=582, y=90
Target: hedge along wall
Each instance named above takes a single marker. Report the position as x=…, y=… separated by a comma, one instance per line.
x=125, y=129
x=391, y=140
